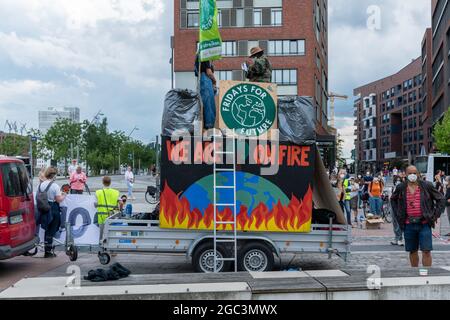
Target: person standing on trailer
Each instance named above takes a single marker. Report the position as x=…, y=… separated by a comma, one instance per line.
x=107, y=201
x=208, y=90
x=259, y=67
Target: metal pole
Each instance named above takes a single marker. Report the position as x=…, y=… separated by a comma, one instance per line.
x=31, y=157
x=172, y=45
x=157, y=154
x=120, y=165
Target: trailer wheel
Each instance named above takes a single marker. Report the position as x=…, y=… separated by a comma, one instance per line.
x=203, y=258
x=72, y=252
x=255, y=257
x=104, y=258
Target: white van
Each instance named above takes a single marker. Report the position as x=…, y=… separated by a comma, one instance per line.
x=429, y=165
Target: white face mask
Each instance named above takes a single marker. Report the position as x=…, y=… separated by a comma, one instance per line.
x=368, y=174
x=413, y=178
x=342, y=176
x=375, y=180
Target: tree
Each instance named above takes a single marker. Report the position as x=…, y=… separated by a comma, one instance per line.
x=14, y=145
x=442, y=134
x=61, y=139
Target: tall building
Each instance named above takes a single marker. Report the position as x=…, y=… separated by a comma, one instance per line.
x=293, y=33
x=441, y=59
x=48, y=117
x=389, y=121
x=427, y=88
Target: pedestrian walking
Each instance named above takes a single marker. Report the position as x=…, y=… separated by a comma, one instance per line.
x=259, y=67
x=375, y=190
x=129, y=179
x=208, y=89
x=417, y=205
x=50, y=221
x=438, y=182
x=78, y=181
x=107, y=201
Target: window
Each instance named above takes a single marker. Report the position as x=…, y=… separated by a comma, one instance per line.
x=257, y=17
x=277, y=17
x=286, y=47
x=15, y=180
x=192, y=19
x=239, y=17
x=224, y=75
x=229, y=49
x=286, y=77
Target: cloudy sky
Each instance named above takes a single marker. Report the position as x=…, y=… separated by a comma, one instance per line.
x=114, y=55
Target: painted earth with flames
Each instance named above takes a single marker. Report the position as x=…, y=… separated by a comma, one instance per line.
x=261, y=206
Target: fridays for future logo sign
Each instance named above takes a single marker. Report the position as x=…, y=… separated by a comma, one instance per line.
x=249, y=109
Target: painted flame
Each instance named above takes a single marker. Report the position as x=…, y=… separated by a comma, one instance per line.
x=175, y=213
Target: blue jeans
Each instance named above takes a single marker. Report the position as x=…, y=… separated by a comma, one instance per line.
x=397, y=230
x=209, y=102
x=345, y=205
x=130, y=189
x=418, y=235
x=375, y=205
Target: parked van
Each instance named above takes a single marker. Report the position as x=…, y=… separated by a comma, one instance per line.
x=17, y=220
x=429, y=165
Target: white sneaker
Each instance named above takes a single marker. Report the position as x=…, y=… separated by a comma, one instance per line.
x=401, y=243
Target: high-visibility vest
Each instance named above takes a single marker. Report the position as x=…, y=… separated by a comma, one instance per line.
x=346, y=185
x=107, y=200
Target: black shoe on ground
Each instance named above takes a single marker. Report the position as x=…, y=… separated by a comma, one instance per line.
x=49, y=255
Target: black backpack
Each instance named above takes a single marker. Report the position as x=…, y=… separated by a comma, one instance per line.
x=42, y=203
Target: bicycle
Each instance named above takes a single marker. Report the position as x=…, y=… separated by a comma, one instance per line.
x=386, y=211
x=153, y=194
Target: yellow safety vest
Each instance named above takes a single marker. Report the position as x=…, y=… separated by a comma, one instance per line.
x=346, y=185
x=107, y=200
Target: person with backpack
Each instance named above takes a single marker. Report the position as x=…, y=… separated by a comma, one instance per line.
x=375, y=190
x=48, y=199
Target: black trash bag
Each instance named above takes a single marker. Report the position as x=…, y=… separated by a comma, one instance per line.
x=181, y=111
x=296, y=120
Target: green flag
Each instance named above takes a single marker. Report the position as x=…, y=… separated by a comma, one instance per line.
x=210, y=41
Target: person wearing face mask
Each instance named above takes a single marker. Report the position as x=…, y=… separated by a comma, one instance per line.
x=259, y=67
x=417, y=205
x=375, y=190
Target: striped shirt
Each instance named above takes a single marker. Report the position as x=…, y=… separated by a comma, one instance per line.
x=413, y=208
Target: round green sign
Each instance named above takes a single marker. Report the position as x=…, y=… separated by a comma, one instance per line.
x=249, y=109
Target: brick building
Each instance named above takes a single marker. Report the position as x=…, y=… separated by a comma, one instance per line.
x=389, y=118
x=294, y=34
x=440, y=59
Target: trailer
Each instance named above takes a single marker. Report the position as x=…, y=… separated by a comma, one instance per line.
x=242, y=193
x=256, y=251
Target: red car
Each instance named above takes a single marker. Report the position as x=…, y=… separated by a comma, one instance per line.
x=17, y=220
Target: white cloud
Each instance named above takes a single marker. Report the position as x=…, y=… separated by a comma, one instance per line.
x=11, y=90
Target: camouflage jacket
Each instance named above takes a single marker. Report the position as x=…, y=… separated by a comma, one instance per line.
x=260, y=71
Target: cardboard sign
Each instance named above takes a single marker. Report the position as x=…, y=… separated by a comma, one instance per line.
x=274, y=203
x=249, y=108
